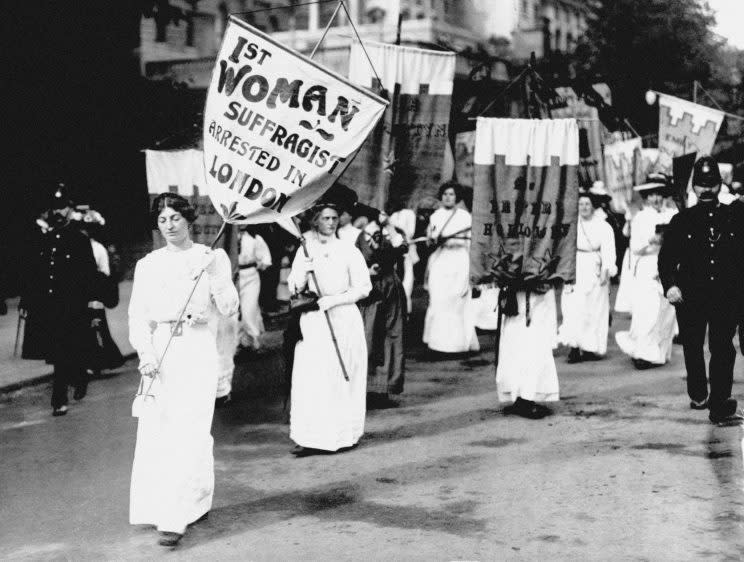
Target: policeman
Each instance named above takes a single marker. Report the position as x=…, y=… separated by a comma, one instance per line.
x=59, y=282
x=699, y=268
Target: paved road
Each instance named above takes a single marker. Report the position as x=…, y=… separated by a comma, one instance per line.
x=623, y=470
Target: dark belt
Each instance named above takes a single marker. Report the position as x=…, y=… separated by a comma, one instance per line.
x=247, y=265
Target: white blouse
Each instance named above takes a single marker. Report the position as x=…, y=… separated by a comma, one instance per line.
x=339, y=267
x=163, y=280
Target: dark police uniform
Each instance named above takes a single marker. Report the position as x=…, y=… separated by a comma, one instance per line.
x=701, y=255
x=60, y=281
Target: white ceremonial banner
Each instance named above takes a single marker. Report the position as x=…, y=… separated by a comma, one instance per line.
x=176, y=171
x=685, y=127
x=623, y=170
x=182, y=172
x=279, y=129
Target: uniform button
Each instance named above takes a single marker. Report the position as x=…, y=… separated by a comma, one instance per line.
x=712, y=245
x=51, y=277
x=710, y=214
x=712, y=277
x=712, y=261
x=50, y=291
x=54, y=249
x=57, y=235
x=689, y=235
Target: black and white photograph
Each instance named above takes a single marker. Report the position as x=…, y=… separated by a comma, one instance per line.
x=372, y=280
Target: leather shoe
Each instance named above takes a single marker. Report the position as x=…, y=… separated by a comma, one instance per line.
x=574, y=356
x=642, y=364
x=300, y=451
x=699, y=405
x=527, y=409
x=737, y=418
x=61, y=411
x=726, y=412
x=168, y=538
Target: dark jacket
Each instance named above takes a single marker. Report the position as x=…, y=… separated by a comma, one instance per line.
x=59, y=281
x=702, y=253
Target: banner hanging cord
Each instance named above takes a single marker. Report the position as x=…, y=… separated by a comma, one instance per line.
x=327, y=27
x=351, y=22
x=502, y=92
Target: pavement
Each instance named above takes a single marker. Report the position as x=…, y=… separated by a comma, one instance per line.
x=623, y=470
x=16, y=373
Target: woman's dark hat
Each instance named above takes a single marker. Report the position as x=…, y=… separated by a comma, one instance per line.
x=706, y=173
x=655, y=183
x=339, y=196
x=362, y=210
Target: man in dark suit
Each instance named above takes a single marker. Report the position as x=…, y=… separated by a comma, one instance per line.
x=700, y=270
x=59, y=284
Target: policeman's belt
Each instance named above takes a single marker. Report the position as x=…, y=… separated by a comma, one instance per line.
x=247, y=265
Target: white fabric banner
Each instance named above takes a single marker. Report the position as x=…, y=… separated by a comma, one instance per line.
x=177, y=171
x=279, y=129
x=408, y=66
x=685, y=127
x=523, y=142
x=623, y=169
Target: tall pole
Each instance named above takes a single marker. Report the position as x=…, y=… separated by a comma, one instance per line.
x=302, y=238
x=389, y=172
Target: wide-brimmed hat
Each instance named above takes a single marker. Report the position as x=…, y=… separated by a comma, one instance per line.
x=598, y=192
x=339, y=196
x=654, y=182
x=362, y=210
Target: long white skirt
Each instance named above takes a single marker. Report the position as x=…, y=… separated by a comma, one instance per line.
x=449, y=325
x=173, y=469
x=652, y=326
x=586, y=315
x=326, y=411
x=625, y=289
x=526, y=366
x=486, y=309
x=251, y=323
x=227, y=343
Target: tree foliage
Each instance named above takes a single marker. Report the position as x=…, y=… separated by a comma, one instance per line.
x=659, y=44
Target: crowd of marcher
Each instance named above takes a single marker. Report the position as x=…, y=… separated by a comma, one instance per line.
x=348, y=287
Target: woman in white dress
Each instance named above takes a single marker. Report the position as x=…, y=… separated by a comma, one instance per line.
x=586, y=304
x=173, y=470
x=254, y=256
x=449, y=325
x=327, y=412
x=405, y=220
x=650, y=338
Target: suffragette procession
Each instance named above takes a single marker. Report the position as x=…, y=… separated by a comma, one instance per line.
x=526, y=256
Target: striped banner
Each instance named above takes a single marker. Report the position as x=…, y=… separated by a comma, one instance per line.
x=421, y=81
x=524, y=201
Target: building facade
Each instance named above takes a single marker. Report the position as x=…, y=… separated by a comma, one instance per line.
x=181, y=45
